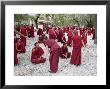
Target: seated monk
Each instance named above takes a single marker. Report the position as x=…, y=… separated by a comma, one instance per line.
x=36, y=56
x=20, y=46
x=64, y=51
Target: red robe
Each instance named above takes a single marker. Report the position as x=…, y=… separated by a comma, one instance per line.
x=60, y=35
x=40, y=32
x=64, y=52
x=36, y=58
x=54, y=54
x=15, y=52
x=20, y=47
x=31, y=31
x=70, y=35
x=76, y=52
x=52, y=34
x=24, y=32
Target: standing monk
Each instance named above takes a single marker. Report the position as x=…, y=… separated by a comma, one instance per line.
x=54, y=54
x=32, y=31
x=70, y=35
x=52, y=34
x=76, y=52
x=23, y=31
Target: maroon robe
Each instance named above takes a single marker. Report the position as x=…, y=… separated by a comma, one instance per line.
x=40, y=32
x=54, y=54
x=15, y=52
x=20, y=47
x=64, y=52
x=31, y=31
x=76, y=52
x=70, y=35
x=52, y=34
x=36, y=58
x=60, y=35
x=24, y=32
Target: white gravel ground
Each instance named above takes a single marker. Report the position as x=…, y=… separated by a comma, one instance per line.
x=87, y=68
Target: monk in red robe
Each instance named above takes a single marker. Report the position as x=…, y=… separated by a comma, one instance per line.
x=24, y=32
x=15, y=51
x=36, y=56
x=76, y=52
x=60, y=35
x=32, y=31
x=64, y=51
x=52, y=34
x=54, y=54
x=70, y=35
x=20, y=47
x=39, y=32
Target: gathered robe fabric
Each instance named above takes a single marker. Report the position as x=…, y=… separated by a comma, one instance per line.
x=15, y=52
x=54, y=54
x=64, y=51
x=36, y=56
x=76, y=52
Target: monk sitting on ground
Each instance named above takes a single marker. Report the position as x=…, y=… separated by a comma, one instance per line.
x=64, y=51
x=20, y=46
x=36, y=56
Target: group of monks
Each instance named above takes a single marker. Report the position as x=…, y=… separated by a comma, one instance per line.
x=77, y=38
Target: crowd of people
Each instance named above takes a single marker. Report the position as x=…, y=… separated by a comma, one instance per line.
x=77, y=38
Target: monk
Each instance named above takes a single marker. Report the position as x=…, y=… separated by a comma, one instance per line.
x=15, y=51
x=60, y=34
x=24, y=32
x=64, y=51
x=39, y=32
x=32, y=31
x=20, y=46
x=70, y=35
x=54, y=54
x=52, y=34
x=76, y=52
x=36, y=56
